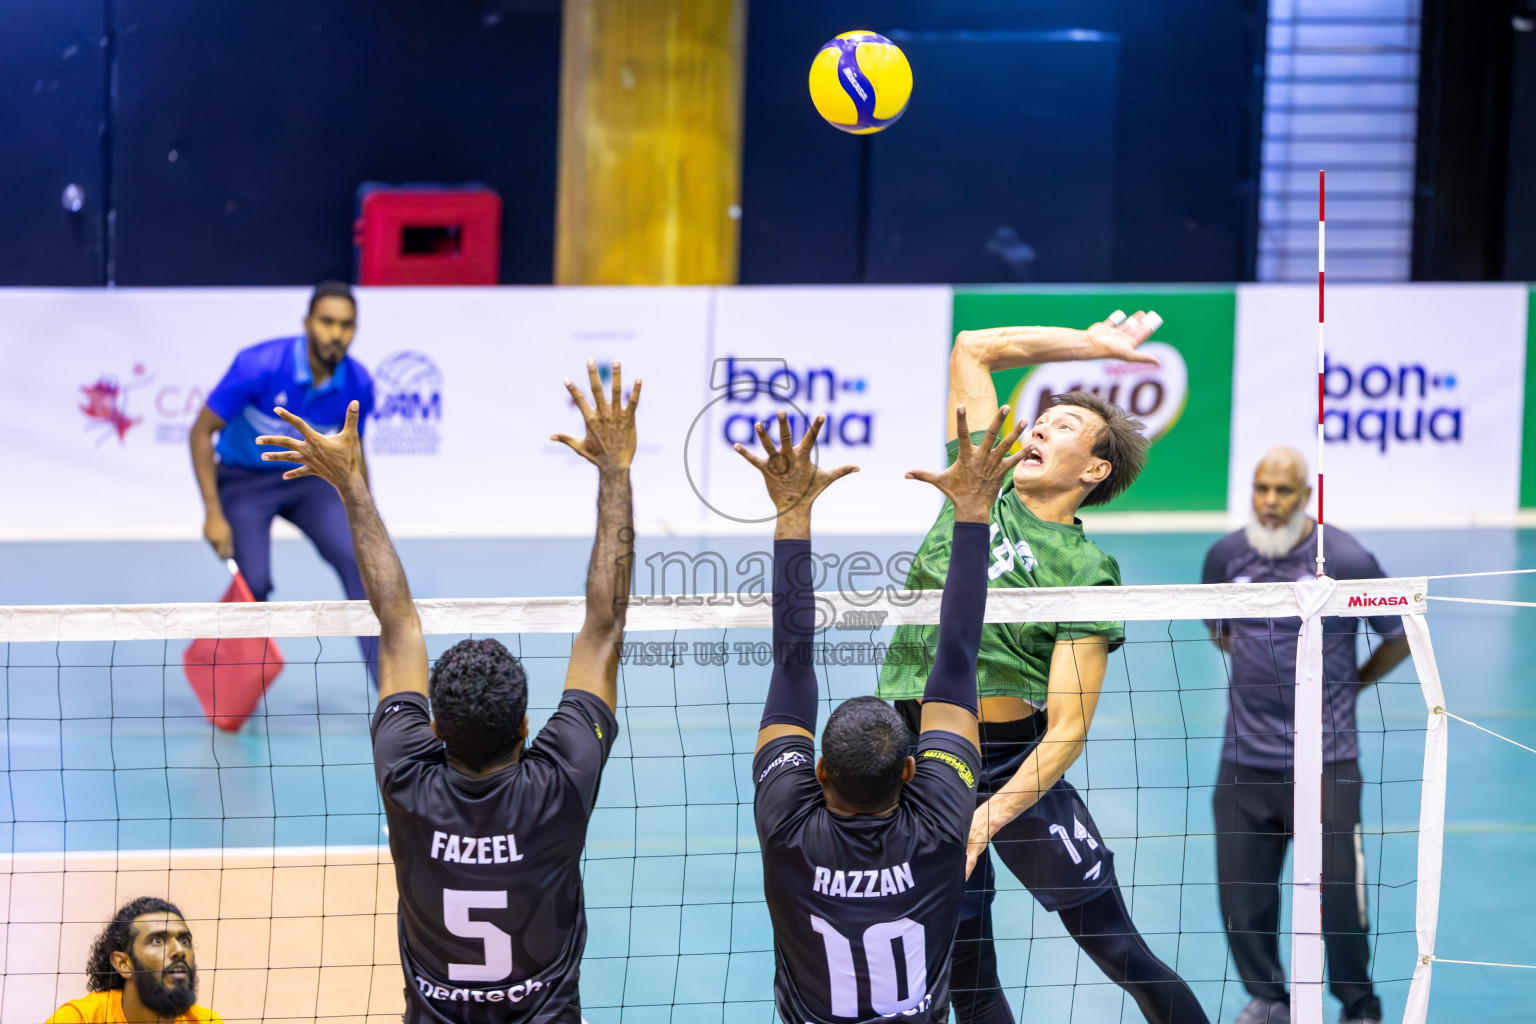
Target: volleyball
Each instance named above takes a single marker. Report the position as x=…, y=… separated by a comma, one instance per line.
x=860, y=82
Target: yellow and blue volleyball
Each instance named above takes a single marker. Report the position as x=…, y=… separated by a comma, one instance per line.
x=860, y=82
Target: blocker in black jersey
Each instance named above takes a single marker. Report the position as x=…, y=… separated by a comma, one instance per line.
x=864, y=908
x=492, y=924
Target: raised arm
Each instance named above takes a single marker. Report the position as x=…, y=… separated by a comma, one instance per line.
x=610, y=446
x=794, y=483
x=338, y=459
x=971, y=482
x=977, y=354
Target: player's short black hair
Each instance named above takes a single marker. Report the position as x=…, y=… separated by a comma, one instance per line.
x=479, y=696
x=864, y=747
x=117, y=937
x=331, y=290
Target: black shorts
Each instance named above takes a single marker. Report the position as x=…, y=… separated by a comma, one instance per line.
x=1054, y=848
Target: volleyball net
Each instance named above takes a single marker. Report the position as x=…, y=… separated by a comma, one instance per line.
x=271, y=838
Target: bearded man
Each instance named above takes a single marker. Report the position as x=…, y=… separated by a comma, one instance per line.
x=1253, y=790
x=142, y=970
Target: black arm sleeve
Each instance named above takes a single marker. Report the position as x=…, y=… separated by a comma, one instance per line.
x=792, y=690
x=953, y=679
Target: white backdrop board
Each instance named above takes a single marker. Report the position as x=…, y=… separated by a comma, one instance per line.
x=1423, y=403
x=468, y=389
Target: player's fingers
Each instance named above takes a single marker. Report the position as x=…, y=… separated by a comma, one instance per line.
x=840, y=472
x=303, y=428
x=279, y=441
x=1012, y=460
x=634, y=396
x=283, y=456
x=993, y=428
x=580, y=399
x=597, y=384
x=924, y=475
x=1116, y=318
x=786, y=437
x=350, y=427
x=1012, y=438
x=294, y=474
x=809, y=440
x=764, y=439
x=570, y=442
x=757, y=463
x=962, y=428
x=618, y=390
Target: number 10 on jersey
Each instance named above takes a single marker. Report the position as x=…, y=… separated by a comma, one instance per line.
x=879, y=972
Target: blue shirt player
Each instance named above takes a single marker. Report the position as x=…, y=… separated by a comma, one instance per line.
x=312, y=376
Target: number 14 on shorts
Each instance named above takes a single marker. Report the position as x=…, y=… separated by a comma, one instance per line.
x=1079, y=832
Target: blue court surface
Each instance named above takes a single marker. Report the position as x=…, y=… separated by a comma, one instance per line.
x=106, y=749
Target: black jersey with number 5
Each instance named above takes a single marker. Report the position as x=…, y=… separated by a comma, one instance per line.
x=864, y=909
x=492, y=925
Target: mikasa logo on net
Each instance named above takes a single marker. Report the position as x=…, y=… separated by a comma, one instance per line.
x=1367, y=601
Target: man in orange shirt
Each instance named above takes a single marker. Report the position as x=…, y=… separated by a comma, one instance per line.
x=149, y=944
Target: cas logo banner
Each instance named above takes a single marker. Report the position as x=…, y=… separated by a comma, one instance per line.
x=1156, y=395
x=114, y=405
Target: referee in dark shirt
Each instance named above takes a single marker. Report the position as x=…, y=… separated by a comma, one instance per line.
x=864, y=850
x=1253, y=790
x=486, y=835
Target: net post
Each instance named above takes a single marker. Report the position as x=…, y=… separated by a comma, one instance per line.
x=1431, y=818
x=1307, y=811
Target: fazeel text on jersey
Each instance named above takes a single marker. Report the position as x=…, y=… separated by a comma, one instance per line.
x=475, y=849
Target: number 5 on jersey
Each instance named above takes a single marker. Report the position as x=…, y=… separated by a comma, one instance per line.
x=880, y=963
x=497, y=963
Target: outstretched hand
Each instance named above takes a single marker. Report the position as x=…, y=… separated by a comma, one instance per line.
x=1120, y=337
x=977, y=474
x=610, y=440
x=789, y=470
x=335, y=458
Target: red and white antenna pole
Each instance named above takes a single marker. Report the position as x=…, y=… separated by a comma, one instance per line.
x=1320, y=367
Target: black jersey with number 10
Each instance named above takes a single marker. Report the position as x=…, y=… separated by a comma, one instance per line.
x=864, y=908
x=492, y=925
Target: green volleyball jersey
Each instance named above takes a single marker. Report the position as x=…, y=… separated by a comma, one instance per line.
x=1015, y=657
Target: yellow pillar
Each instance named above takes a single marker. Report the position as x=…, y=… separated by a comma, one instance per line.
x=650, y=142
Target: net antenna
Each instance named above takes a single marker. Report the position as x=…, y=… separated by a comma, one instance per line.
x=1321, y=366
x=1307, y=793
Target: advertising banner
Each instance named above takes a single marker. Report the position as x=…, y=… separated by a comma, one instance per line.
x=1186, y=402
x=874, y=361
x=468, y=391
x=1423, y=397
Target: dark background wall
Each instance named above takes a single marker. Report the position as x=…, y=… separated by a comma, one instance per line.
x=1048, y=140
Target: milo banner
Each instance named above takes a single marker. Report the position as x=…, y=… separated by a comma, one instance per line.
x=1186, y=402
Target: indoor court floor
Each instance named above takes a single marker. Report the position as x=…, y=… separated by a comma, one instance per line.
x=115, y=786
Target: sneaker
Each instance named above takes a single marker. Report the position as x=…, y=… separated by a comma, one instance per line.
x=1266, y=1011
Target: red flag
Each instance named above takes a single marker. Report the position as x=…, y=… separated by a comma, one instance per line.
x=230, y=675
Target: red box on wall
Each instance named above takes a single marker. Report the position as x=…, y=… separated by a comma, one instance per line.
x=427, y=235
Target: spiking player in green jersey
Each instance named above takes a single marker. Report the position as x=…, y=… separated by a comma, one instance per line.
x=1039, y=681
